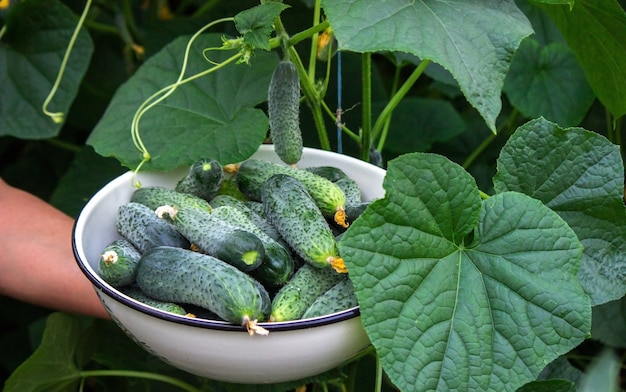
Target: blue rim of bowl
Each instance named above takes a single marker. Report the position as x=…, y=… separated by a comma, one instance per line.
x=201, y=322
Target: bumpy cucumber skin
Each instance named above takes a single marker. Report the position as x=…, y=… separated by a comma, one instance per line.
x=283, y=109
x=253, y=173
x=136, y=294
x=330, y=173
x=253, y=211
x=297, y=295
x=339, y=297
x=350, y=189
x=184, y=276
x=278, y=265
x=156, y=196
x=119, y=268
x=138, y=224
x=295, y=215
x=218, y=238
x=203, y=179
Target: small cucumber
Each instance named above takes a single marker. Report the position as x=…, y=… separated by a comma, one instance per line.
x=283, y=109
x=137, y=294
x=339, y=297
x=295, y=215
x=118, y=263
x=216, y=237
x=203, y=179
x=156, y=196
x=140, y=226
x=229, y=187
x=184, y=276
x=297, y=295
x=278, y=265
x=330, y=199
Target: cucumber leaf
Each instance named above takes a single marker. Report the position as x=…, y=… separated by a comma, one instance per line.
x=580, y=175
x=257, y=23
x=548, y=81
x=549, y=386
x=52, y=366
x=31, y=51
x=595, y=30
x=212, y=116
x=473, y=39
x=459, y=294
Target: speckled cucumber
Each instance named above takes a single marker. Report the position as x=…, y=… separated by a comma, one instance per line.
x=339, y=297
x=295, y=215
x=278, y=265
x=118, y=263
x=253, y=210
x=188, y=277
x=156, y=196
x=203, y=179
x=330, y=199
x=330, y=173
x=283, y=109
x=137, y=294
x=216, y=237
x=351, y=190
x=297, y=295
x=140, y=226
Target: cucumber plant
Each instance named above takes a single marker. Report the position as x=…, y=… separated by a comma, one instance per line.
x=533, y=214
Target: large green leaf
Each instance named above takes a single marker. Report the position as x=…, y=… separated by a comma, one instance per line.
x=459, y=294
x=595, y=31
x=31, y=51
x=420, y=122
x=473, y=39
x=52, y=366
x=580, y=175
x=547, y=81
x=212, y=116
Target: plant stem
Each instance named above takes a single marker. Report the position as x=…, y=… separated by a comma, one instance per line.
x=312, y=97
x=305, y=34
x=385, y=130
x=508, y=124
x=345, y=129
x=366, y=123
x=146, y=375
x=379, y=374
x=397, y=97
x=313, y=54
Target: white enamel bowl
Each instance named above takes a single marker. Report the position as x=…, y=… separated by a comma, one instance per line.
x=214, y=349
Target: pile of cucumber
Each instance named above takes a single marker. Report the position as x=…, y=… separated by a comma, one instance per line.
x=245, y=243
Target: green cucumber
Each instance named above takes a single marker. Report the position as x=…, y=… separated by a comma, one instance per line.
x=330, y=199
x=297, y=295
x=229, y=187
x=278, y=265
x=283, y=109
x=297, y=218
x=252, y=211
x=339, y=297
x=203, y=179
x=156, y=196
x=330, y=173
x=140, y=226
x=216, y=237
x=351, y=190
x=184, y=276
x=118, y=263
x=137, y=294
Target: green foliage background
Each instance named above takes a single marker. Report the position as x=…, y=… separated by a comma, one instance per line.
x=558, y=74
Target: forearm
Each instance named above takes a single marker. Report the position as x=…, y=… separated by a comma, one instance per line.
x=36, y=260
